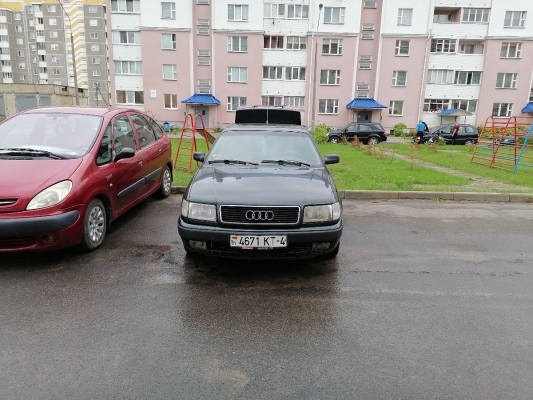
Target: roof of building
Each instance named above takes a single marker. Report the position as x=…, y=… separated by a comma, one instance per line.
x=202, y=99
x=364, y=103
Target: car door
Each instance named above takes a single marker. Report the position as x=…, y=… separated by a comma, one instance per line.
x=351, y=131
x=363, y=131
x=446, y=133
x=461, y=135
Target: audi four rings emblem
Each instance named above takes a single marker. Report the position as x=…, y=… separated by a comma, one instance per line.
x=255, y=215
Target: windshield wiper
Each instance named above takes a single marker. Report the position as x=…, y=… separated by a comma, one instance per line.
x=22, y=151
x=285, y=162
x=231, y=162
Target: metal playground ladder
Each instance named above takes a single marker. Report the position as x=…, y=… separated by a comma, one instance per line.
x=186, y=149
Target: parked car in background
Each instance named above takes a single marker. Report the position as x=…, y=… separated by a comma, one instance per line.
x=466, y=135
x=67, y=172
x=366, y=132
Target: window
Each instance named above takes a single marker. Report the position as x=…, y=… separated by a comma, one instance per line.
x=396, y=107
x=514, y=19
x=367, y=36
x=97, y=72
x=236, y=102
x=440, y=76
x=365, y=65
x=204, y=61
x=297, y=11
x=404, y=16
x=402, y=48
x=237, y=43
x=92, y=10
x=328, y=106
x=7, y=75
x=295, y=73
x=334, y=15
x=126, y=37
x=370, y=4
x=467, y=105
x=202, y=22
x=273, y=42
x=506, y=81
x=51, y=8
x=204, y=82
x=332, y=46
x=4, y=38
x=130, y=97
x=53, y=34
x=18, y=28
x=17, y=16
x=52, y=21
x=55, y=59
x=128, y=67
x=95, y=47
x=439, y=18
x=126, y=5
x=20, y=40
x=368, y=27
x=32, y=35
x=22, y=77
x=362, y=95
x=467, y=78
x=31, y=23
x=168, y=10
x=502, y=109
x=296, y=43
x=330, y=77
x=94, y=35
x=272, y=73
x=171, y=101
x=96, y=60
x=271, y=100
x=238, y=74
x=21, y=53
x=54, y=47
x=204, y=53
x=467, y=49
x=93, y=22
x=205, y=2
x=511, y=50
x=237, y=12
x=203, y=32
x=40, y=21
x=274, y=10
x=204, y=90
x=169, y=72
x=22, y=65
x=168, y=41
x=40, y=33
x=294, y=101
x=363, y=86
x=399, y=78
x=56, y=71
x=475, y=15
x=443, y=45
x=434, y=105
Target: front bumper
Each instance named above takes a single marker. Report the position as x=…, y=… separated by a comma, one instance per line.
x=299, y=240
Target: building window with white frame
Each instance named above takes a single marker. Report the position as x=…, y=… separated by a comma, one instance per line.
x=93, y=10
x=126, y=37
x=22, y=65
x=19, y=40
x=328, y=106
x=130, y=6
x=21, y=53
x=370, y=4
x=128, y=67
x=54, y=47
x=17, y=16
x=22, y=77
x=53, y=35
x=435, y=105
x=295, y=73
x=367, y=36
x=52, y=21
x=294, y=101
x=97, y=72
x=18, y=28
x=506, y=81
x=237, y=44
x=55, y=59
x=51, y=8
x=405, y=16
x=330, y=77
x=95, y=60
x=94, y=35
x=297, y=11
x=271, y=100
x=401, y=48
x=272, y=42
x=296, y=42
x=399, y=78
x=440, y=76
x=171, y=101
x=443, y=45
x=274, y=10
x=235, y=102
x=170, y=72
x=475, y=15
x=168, y=41
x=168, y=10
x=362, y=95
x=363, y=86
x=332, y=46
x=93, y=22
x=467, y=105
x=467, y=78
x=56, y=71
x=237, y=12
x=514, y=19
x=334, y=15
x=511, y=50
x=238, y=74
x=396, y=108
x=95, y=47
x=368, y=27
x=272, y=73
x=130, y=97
x=502, y=109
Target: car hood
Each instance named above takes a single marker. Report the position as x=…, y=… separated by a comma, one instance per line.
x=262, y=185
x=30, y=177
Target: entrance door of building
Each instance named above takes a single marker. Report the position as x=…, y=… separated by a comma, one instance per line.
x=204, y=112
x=364, y=116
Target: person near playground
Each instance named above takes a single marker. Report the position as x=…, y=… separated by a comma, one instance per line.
x=420, y=128
x=454, y=132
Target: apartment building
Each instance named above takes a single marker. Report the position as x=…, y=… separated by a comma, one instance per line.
x=387, y=61
x=35, y=45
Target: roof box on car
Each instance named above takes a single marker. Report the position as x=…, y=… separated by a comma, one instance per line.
x=268, y=115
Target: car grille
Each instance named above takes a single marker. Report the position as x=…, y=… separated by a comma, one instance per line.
x=7, y=202
x=258, y=215
x=17, y=242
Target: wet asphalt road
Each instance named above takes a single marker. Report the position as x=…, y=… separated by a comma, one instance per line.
x=425, y=300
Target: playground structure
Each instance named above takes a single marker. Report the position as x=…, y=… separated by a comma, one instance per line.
x=186, y=149
x=505, y=143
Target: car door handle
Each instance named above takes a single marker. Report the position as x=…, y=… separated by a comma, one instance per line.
x=140, y=160
x=160, y=148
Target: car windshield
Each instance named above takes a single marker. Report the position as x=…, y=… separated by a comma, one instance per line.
x=70, y=135
x=257, y=147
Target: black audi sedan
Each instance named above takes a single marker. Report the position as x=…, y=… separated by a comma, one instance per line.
x=263, y=191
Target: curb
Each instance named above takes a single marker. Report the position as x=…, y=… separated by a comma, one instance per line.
x=410, y=195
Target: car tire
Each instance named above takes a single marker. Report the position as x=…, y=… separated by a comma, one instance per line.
x=94, y=226
x=165, y=187
x=335, y=139
x=373, y=140
x=469, y=142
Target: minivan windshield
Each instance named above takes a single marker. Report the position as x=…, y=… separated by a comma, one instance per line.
x=258, y=147
x=69, y=135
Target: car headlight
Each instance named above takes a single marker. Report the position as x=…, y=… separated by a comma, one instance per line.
x=50, y=196
x=328, y=212
x=203, y=212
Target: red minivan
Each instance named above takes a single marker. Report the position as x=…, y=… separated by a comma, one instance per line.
x=67, y=172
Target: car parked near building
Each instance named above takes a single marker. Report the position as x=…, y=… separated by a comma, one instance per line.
x=263, y=191
x=67, y=172
x=366, y=132
x=467, y=135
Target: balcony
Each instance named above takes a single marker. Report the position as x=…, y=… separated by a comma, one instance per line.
x=38, y=14
x=7, y=68
x=3, y=19
x=460, y=30
x=40, y=39
x=4, y=44
x=471, y=3
x=39, y=27
x=7, y=80
x=43, y=64
x=43, y=76
x=41, y=52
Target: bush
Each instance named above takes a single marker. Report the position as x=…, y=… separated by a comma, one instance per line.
x=398, y=129
x=320, y=133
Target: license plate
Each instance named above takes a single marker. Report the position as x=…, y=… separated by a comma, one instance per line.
x=258, y=242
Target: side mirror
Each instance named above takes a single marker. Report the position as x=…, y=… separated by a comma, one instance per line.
x=331, y=159
x=126, y=152
x=198, y=156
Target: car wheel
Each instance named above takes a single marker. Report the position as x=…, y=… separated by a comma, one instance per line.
x=335, y=139
x=166, y=183
x=373, y=140
x=469, y=142
x=94, y=226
